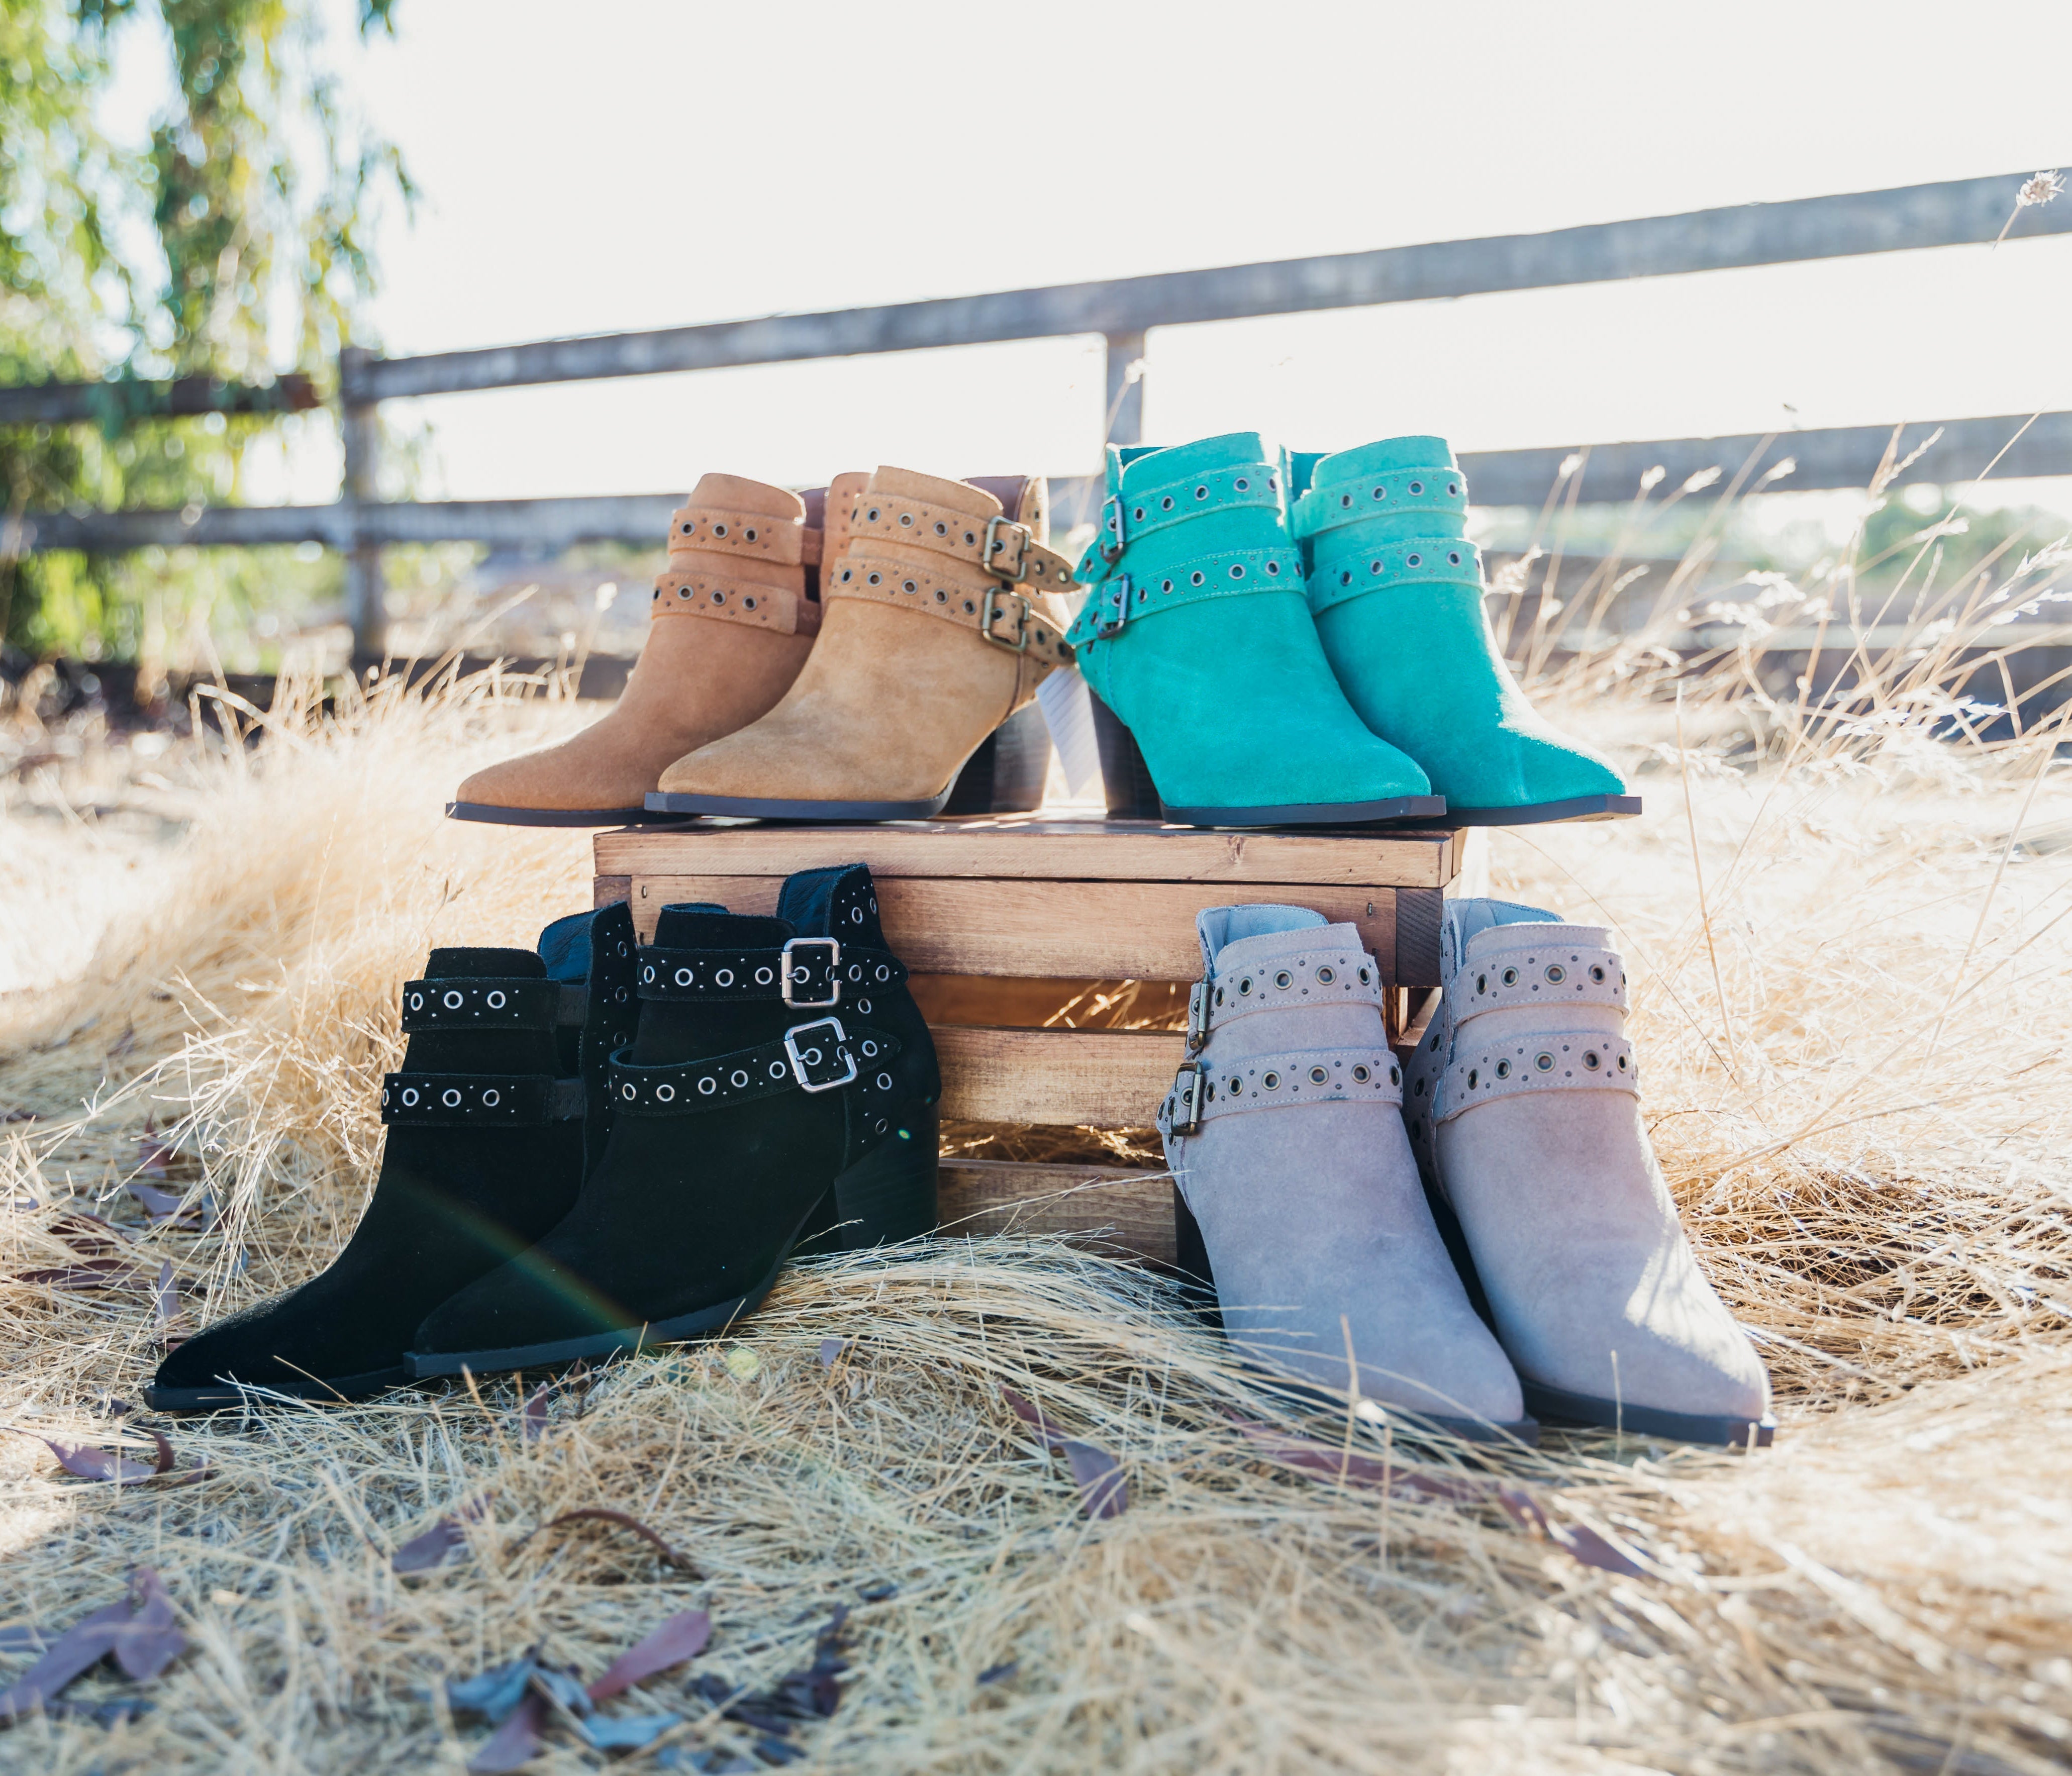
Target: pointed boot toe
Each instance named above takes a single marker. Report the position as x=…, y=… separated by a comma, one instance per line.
x=1396, y=591
x=1298, y=1202
x=1524, y=1110
x=1196, y=633
x=500, y=1104
x=732, y=621
x=779, y=1097
x=944, y=614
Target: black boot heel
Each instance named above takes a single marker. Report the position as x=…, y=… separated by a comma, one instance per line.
x=889, y=1195
x=1190, y=1252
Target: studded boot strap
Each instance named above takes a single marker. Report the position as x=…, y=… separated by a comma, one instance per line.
x=696, y=585
x=988, y=574
x=1284, y=1080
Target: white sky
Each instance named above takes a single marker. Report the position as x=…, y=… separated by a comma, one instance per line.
x=635, y=164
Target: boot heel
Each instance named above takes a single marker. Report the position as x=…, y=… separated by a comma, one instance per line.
x=890, y=1195
x=1125, y=778
x=1190, y=1252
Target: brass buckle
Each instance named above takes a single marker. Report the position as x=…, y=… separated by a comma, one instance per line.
x=993, y=545
x=989, y=614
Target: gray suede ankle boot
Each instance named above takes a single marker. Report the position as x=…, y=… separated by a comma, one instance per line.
x=1297, y=1199
x=1523, y=1106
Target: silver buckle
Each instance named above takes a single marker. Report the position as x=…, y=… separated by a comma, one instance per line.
x=989, y=614
x=993, y=547
x=808, y=1082
x=1109, y=623
x=1112, y=524
x=1187, y=1098
x=1198, y=1016
x=786, y=978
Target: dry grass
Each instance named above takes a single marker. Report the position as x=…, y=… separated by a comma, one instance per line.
x=1860, y=1079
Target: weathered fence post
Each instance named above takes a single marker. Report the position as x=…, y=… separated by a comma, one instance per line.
x=1125, y=395
x=364, y=587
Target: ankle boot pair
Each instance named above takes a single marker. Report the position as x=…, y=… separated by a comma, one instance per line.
x=1536, y=1271
x=789, y=670
x=599, y=1146
x=1301, y=640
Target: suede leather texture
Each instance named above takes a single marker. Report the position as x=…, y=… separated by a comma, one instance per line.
x=683, y=1212
x=450, y=1204
x=891, y=703
x=1314, y=1221
x=697, y=678
x=1419, y=662
x=1589, y=1276
x=1232, y=701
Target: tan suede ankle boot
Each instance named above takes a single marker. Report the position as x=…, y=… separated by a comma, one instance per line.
x=942, y=616
x=742, y=556
x=1524, y=1105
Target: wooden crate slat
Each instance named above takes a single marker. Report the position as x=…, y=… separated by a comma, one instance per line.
x=1044, y=930
x=1058, y=1078
x=1107, y=1208
x=1032, y=847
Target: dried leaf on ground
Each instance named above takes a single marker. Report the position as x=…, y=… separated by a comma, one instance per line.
x=1578, y=1540
x=1104, y=1491
x=680, y=1637
x=533, y=1419
x=606, y=1513
x=515, y=1743
x=139, y=1631
x=90, y=1463
x=422, y=1553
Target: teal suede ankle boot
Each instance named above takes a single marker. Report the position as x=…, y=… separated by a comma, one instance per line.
x=1397, y=589
x=1196, y=633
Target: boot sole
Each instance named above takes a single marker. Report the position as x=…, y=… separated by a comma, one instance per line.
x=887, y=1201
x=221, y=1395
x=764, y=808
x=1198, y=1284
x=490, y=813
x=1558, y=1407
x=1401, y=807
x=1576, y=807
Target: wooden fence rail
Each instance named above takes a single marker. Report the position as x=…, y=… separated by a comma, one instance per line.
x=1953, y=213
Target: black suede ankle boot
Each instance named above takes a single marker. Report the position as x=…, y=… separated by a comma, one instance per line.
x=505, y=1091
x=780, y=1095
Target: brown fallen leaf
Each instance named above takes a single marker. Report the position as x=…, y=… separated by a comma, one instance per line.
x=533, y=1419
x=140, y=1632
x=89, y=1463
x=1104, y=1491
x=1273, y=1445
x=515, y=1743
x=421, y=1553
x=604, y=1513
x=20, y=1115
x=680, y=1637
x=830, y=1350
x=1578, y=1540
x=94, y=1273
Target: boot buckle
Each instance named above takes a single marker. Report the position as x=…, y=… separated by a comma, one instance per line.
x=990, y=614
x=807, y=1066
x=1187, y=1099
x=993, y=544
x=790, y=976
x=1111, y=539
x=1198, y=1016
x=1114, y=608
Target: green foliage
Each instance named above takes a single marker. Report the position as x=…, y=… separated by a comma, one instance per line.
x=259, y=189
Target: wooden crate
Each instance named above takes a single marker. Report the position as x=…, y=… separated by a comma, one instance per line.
x=1003, y=919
